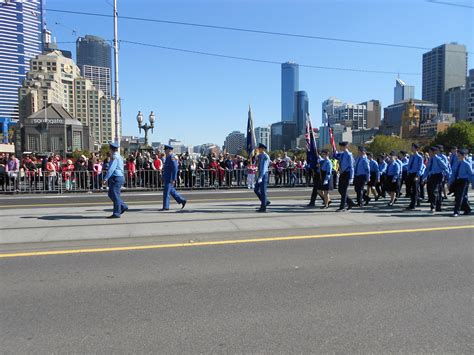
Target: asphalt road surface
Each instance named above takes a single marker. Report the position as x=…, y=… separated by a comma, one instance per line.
x=407, y=292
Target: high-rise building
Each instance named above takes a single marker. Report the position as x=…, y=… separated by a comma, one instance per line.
x=289, y=85
x=402, y=91
x=328, y=108
x=283, y=135
x=100, y=77
x=455, y=102
x=53, y=78
x=263, y=136
x=94, y=61
x=341, y=133
x=301, y=111
x=235, y=142
x=373, y=114
x=444, y=67
x=470, y=96
x=93, y=50
x=392, y=118
x=20, y=40
x=350, y=115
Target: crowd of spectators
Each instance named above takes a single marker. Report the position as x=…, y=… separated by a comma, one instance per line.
x=143, y=170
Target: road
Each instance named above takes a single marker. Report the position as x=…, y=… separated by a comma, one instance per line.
x=219, y=278
x=404, y=292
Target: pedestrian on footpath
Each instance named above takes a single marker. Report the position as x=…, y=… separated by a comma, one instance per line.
x=326, y=174
x=462, y=175
x=115, y=179
x=394, y=174
x=374, y=176
x=346, y=175
x=415, y=169
x=361, y=177
x=170, y=175
x=434, y=174
x=263, y=163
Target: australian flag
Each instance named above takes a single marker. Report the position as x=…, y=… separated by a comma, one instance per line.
x=312, y=154
x=250, y=134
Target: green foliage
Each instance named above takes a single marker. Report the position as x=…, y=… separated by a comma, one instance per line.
x=460, y=134
x=385, y=144
x=77, y=154
x=104, y=151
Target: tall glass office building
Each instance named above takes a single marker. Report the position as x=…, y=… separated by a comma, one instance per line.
x=301, y=111
x=94, y=61
x=20, y=41
x=289, y=86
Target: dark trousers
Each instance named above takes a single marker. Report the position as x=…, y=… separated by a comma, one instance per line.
x=316, y=183
x=342, y=189
x=380, y=186
x=434, y=186
x=115, y=184
x=421, y=189
x=461, y=201
x=359, y=184
x=413, y=189
x=405, y=181
x=261, y=191
x=170, y=190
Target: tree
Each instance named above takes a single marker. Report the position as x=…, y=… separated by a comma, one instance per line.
x=77, y=154
x=460, y=134
x=104, y=150
x=385, y=144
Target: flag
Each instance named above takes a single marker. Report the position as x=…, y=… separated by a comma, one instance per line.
x=250, y=134
x=312, y=155
x=331, y=134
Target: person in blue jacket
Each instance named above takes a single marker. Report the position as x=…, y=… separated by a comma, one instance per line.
x=394, y=174
x=380, y=186
x=415, y=168
x=461, y=177
x=170, y=175
x=374, y=176
x=115, y=179
x=326, y=175
x=435, y=172
x=263, y=163
x=361, y=176
x=346, y=175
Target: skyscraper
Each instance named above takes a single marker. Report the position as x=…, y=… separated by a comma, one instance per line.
x=94, y=61
x=402, y=91
x=289, y=85
x=328, y=107
x=20, y=40
x=470, y=96
x=262, y=135
x=93, y=50
x=444, y=67
x=301, y=111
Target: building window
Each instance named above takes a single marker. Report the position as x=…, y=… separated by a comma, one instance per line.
x=76, y=140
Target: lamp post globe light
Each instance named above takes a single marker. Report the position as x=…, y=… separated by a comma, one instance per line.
x=146, y=127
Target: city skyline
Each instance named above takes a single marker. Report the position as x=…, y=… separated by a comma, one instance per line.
x=259, y=85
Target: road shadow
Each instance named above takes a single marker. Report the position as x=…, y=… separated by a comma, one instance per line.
x=64, y=217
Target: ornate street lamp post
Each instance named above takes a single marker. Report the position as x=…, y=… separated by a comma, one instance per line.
x=146, y=127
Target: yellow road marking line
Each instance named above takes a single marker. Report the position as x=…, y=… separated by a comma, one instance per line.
x=148, y=202
x=227, y=242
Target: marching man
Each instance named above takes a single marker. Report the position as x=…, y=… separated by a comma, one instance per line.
x=170, y=175
x=262, y=178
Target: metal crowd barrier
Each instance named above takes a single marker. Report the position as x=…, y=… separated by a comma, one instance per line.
x=87, y=181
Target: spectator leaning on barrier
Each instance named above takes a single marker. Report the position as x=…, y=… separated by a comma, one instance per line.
x=13, y=170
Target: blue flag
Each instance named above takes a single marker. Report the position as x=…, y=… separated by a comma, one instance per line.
x=250, y=134
x=312, y=154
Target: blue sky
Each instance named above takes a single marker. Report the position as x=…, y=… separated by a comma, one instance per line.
x=200, y=99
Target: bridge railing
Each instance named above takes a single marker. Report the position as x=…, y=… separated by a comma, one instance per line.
x=144, y=180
